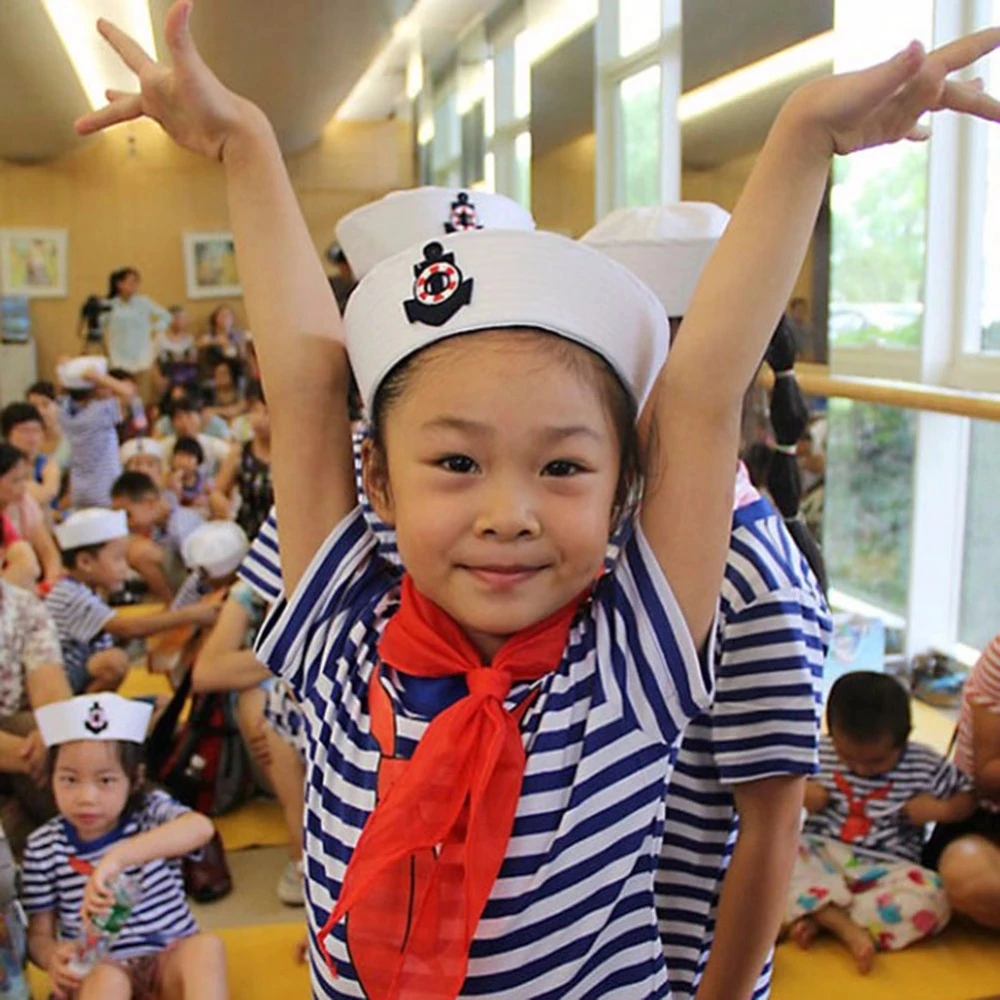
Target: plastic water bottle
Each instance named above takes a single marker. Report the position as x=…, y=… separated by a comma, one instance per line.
x=13, y=985
x=101, y=931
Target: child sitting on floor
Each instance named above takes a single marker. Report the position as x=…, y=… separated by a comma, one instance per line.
x=109, y=824
x=94, y=543
x=143, y=454
x=158, y=526
x=858, y=874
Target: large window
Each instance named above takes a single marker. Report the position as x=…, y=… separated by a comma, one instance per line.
x=869, y=501
x=979, y=619
x=639, y=142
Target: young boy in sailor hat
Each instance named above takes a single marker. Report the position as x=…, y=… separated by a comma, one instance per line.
x=93, y=543
x=110, y=823
x=734, y=801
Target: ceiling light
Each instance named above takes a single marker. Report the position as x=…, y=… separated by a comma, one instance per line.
x=797, y=60
x=97, y=66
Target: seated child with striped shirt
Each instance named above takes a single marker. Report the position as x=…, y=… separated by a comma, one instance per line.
x=110, y=824
x=93, y=543
x=858, y=873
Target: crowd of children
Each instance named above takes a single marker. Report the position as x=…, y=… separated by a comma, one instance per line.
x=538, y=689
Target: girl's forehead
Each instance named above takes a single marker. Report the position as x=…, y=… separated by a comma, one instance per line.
x=91, y=754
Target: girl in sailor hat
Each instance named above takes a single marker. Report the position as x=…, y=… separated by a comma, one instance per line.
x=110, y=824
x=489, y=733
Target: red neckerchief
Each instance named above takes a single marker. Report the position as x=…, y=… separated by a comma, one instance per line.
x=448, y=814
x=858, y=825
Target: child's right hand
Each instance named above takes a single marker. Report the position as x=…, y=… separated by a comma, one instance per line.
x=64, y=982
x=186, y=99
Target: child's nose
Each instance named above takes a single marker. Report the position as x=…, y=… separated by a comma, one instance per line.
x=507, y=512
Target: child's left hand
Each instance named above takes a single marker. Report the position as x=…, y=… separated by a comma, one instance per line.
x=97, y=896
x=881, y=105
x=923, y=808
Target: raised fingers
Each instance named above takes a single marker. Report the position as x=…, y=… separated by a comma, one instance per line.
x=124, y=108
x=970, y=99
x=965, y=51
x=133, y=54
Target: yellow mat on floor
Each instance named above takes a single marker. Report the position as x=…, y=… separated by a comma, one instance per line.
x=257, y=823
x=261, y=963
x=139, y=683
x=962, y=964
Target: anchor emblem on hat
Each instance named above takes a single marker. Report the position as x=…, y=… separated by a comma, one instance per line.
x=96, y=721
x=463, y=215
x=439, y=290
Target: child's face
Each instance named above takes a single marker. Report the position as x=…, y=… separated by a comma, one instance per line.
x=224, y=320
x=502, y=469
x=148, y=464
x=142, y=514
x=185, y=463
x=187, y=423
x=222, y=377
x=13, y=484
x=28, y=437
x=108, y=568
x=178, y=322
x=866, y=758
x=90, y=786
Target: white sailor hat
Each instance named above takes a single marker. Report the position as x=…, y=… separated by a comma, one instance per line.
x=94, y=717
x=376, y=231
x=217, y=547
x=499, y=278
x=666, y=246
x=72, y=373
x=91, y=526
x=140, y=446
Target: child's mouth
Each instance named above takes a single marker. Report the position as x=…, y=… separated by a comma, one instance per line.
x=503, y=577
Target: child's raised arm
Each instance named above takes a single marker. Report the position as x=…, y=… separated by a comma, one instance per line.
x=291, y=309
x=693, y=417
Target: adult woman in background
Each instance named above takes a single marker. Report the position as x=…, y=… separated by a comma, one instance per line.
x=130, y=325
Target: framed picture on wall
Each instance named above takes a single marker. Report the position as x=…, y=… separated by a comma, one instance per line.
x=33, y=262
x=210, y=266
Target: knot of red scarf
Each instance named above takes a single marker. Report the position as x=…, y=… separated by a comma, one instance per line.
x=455, y=799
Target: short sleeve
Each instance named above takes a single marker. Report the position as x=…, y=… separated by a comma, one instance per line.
x=644, y=649
x=38, y=875
x=261, y=567
x=85, y=615
x=41, y=642
x=159, y=808
x=765, y=717
x=342, y=579
x=949, y=780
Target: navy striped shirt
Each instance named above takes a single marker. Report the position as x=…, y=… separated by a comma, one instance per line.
x=80, y=616
x=162, y=914
x=572, y=912
x=774, y=630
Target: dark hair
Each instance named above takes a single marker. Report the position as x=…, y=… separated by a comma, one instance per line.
x=70, y=556
x=867, y=706
x=255, y=393
x=789, y=418
x=122, y=374
x=15, y=414
x=190, y=402
x=355, y=406
x=42, y=388
x=116, y=276
x=134, y=486
x=621, y=407
x=214, y=314
x=10, y=457
x=131, y=756
x=235, y=368
x=190, y=446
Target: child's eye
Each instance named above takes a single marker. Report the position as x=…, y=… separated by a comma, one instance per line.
x=460, y=464
x=561, y=468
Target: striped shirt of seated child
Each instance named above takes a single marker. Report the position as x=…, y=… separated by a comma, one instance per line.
x=858, y=873
x=93, y=544
x=734, y=802
x=110, y=824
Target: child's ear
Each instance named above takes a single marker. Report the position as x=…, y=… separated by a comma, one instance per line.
x=375, y=479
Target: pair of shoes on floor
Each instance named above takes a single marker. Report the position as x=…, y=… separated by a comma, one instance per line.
x=291, y=889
